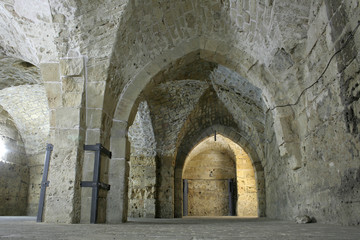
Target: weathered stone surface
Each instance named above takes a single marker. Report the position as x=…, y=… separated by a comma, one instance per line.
x=31, y=116
x=142, y=176
x=53, y=91
x=36, y=168
x=27, y=31
x=208, y=198
x=141, y=134
x=208, y=167
x=172, y=102
x=50, y=72
x=212, y=165
x=14, y=172
x=208, y=173
x=71, y=66
x=95, y=91
x=16, y=72
x=282, y=75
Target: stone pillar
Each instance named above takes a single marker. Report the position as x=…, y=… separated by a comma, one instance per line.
x=95, y=123
x=165, y=187
x=64, y=84
x=260, y=179
x=117, y=204
x=178, y=193
x=247, y=204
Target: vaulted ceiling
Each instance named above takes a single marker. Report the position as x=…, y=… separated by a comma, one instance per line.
x=129, y=34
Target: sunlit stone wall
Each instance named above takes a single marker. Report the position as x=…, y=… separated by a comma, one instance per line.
x=208, y=174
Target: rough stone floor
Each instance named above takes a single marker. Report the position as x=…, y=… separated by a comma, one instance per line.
x=187, y=228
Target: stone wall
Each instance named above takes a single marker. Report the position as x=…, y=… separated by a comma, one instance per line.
x=247, y=183
x=28, y=106
x=282, y=74
x=24, y=98
x=325, y=182
x=31, y=116
x=36, y=169
x=281, y=47
x=14, y=171
x=142, y=175
x=247, y=189
x=142, y=182
x=208, y=197
x=208, y=173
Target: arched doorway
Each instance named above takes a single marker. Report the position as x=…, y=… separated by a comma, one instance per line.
x=250, y=179
x=219, y=180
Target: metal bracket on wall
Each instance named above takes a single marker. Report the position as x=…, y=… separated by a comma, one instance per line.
x=44, y=183
x=95, y=183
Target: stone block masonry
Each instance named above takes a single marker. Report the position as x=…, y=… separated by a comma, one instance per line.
x=279, y=78
x=14, y=170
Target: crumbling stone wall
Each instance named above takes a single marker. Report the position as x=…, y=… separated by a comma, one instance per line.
x=14, y=171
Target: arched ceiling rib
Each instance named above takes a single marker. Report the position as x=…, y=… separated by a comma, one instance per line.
x=194, y=93
x=170, y=104
x=271, y=32
x=259, y=28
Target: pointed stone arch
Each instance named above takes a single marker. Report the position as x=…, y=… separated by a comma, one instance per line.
x=211, y=50
x=188, y=144
x=215, y=51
